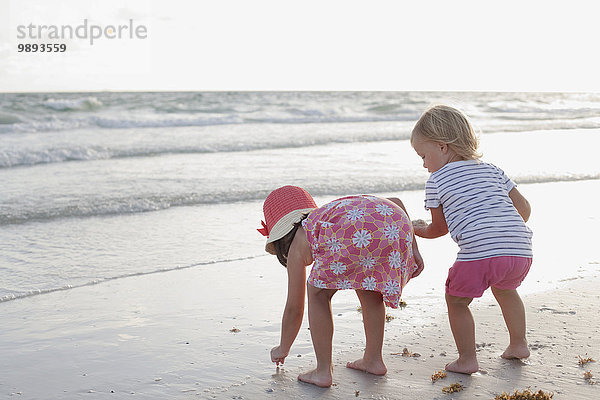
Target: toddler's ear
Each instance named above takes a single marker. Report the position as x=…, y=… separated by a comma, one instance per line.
x=443, y=147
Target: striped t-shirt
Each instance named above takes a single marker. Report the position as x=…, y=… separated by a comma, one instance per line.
x=480, y=215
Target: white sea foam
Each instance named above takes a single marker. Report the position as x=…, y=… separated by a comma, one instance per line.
x=128, y=185
x=157, y=202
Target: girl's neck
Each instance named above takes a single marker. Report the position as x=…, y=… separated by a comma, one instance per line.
x=453, y=157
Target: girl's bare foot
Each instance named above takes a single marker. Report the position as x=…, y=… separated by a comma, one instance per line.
x=321, y=379
x=516, y=351
x=375, y=368
x=463, y=366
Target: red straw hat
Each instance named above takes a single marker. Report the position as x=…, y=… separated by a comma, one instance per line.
x=283, y=208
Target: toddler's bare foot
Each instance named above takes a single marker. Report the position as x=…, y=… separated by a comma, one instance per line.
x=321, y=379
x=463, y=366
x=375, y=367
x=516, y=351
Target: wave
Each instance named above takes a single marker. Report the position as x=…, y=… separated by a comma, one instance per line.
x=97, y=122
x=331, y=119
x=16, y=296
x=12, y=124
x=137, y=204
x=130, y=205
x=566, y=177
x=125, y=205
x=39, y=112
x=555, y=109
x=10, y=158
x=16, y=158
x=191, y=142
x=78, y=104
x=170, y=121
x=9, y=119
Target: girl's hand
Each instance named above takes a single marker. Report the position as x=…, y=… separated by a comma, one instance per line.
x=418, y=226
x=278, y=356
x=419, y=261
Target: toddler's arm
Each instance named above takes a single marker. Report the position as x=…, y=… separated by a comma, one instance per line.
x=438, y=226
x=520, y=203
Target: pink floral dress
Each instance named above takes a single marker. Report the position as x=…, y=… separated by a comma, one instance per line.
x=361, y=242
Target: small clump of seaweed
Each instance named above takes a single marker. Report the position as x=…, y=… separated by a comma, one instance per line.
x=438, y=375
x=582, y=361
x=453, y=388
x=389, y=317
x=234, y=330
x=525, y=395
x=588, y=377
x=406, y=353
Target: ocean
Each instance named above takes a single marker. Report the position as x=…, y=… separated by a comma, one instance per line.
x=103, y=186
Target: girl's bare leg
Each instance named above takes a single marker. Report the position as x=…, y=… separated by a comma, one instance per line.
x=463, y=330
x=514, y=316
x=373, y=312
x=321, y=330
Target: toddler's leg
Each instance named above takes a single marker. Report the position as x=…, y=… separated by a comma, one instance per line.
x=463, y=330
x=321, y=330
x=373, y=312
x=514, y=316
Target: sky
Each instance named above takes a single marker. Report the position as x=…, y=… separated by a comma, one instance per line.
x=304, y=45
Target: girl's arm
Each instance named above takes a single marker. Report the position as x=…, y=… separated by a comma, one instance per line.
x=438, y=226
x=294, y=306
x=520, y=203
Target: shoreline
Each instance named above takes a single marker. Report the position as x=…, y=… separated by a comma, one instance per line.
x=182, y=244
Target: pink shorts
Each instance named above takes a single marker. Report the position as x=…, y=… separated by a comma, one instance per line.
x=472, y=278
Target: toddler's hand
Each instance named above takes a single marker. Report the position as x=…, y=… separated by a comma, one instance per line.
x=419, y=226
x=277, y=355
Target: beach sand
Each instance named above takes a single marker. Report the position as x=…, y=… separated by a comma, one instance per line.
x=205, y=332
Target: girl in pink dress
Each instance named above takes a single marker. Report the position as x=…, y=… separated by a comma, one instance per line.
x=363, y=243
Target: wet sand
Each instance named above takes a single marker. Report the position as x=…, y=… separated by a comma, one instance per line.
x=168, y=336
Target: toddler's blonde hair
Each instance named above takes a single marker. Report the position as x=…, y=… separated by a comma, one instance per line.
x=448, y=125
